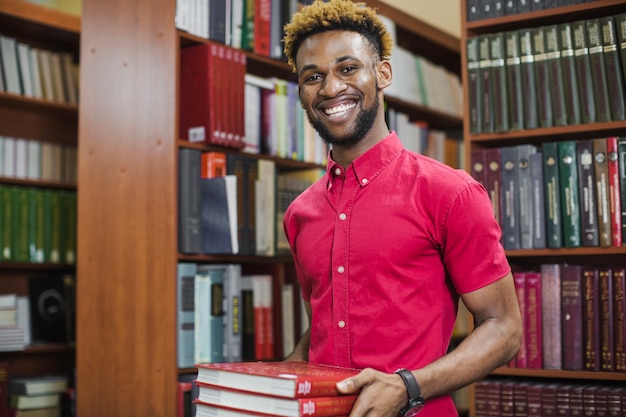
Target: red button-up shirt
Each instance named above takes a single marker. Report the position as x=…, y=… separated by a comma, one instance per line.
x=382, y=249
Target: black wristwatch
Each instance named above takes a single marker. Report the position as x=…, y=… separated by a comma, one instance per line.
x=416, y=400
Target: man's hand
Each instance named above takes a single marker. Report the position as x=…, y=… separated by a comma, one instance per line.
x=381, y=394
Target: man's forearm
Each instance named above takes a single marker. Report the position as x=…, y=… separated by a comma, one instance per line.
x=301, y=351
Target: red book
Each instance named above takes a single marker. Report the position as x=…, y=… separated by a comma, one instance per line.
x=213, y=165
x=548, y=400
x=206, y=410
x=507, y=403
x=615, y=208
x=184, y=400
x=534, y=400
x=591, y=318
x=262, y=26
x=284, y=379
x=235, y=400
x=533, y=333
x=607, y=334
x=572, y=317
x=619, y=313
x=481, y=392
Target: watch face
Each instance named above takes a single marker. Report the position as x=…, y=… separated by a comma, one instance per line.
x=411, y=412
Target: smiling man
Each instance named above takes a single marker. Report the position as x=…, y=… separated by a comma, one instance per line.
x=388, y=240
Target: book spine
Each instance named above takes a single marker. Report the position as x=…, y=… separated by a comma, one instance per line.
x=499, y=87
x=572, y=317
x=510, y=220
x=542, y=78
x=602, y=190
x=621, y=155
x=486, y=83
x=524, y=194
x=533, y=331
x=607, y=330
x=570, y=204
x=527, y=63
x=619, y=312
x=591, y=318
x=552, y=186
x=588, y=198
x=614, y=72
x=185, y=276
x=598, y=70
x=555, y=70
x=262, y=26
x=189, y=206
x=615, y=209
x=519, y=279
x=583, y=71
x=571, y=95
x=474, y=85
x=551, y=315
x=537, y=201
x=493, y=182
x=514, y=81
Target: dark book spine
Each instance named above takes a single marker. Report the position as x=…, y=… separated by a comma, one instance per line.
x=572, y=317
x=607, y=330
x=536, y=5
x=591, y=319
x=523, y=6
x=588, y=198
x=499, y=87
x=598, y=70
x=486, y=84
x=552, y=187
x=602, y=190
x=621, y=155
x=555, y=69
x=538, y=201
x=493, y=182
x=189, y=208
x=583, y=70
x=474, y=85
x=570, y=203
x=570, y=76
x=510, y=7
x=477, y=165
x=620, y=33
x=524, y=195
x=473, y=7
x=529, y=88
x=514, y=81
x=619, y=313
x=548, y=400
x=614, y=71
x=510, y=214
x=542, y=78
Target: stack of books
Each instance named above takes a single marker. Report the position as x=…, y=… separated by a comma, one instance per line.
x=37, y=396
x=290, y=389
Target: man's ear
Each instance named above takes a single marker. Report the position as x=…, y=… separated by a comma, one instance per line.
x=384, y=74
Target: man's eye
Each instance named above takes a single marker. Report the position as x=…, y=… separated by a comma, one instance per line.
x=313, y=78
x=348, y=69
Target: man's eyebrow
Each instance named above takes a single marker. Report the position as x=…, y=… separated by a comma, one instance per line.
x=337, y=61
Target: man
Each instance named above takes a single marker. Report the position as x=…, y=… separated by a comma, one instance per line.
x=387, y=240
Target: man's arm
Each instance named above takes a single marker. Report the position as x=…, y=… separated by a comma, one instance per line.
x=301, y=351
x=495, y=339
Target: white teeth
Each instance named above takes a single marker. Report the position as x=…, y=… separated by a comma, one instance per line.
x=339, y=110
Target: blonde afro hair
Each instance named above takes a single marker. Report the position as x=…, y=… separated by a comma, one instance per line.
x=322, y=16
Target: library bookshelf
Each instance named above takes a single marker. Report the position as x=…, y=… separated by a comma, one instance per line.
x=30, y=118
x=127, y=226
x=483, y=139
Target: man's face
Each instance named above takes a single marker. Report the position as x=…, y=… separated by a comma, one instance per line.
x=338, y=84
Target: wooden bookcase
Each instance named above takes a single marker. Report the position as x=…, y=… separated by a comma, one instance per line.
x=127, y=243
x=44, y=121
x=599, y=256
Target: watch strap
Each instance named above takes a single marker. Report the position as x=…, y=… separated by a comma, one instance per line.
x=412, y=387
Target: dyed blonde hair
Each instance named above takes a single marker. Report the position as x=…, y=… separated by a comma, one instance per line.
x=324, y=16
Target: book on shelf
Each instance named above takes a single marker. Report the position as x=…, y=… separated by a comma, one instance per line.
x=262, y=314
x=509, y=196
x=602, y=190
x=619, y=312
x=551, y=315
x=614, y=72
x=529, y=83
x=572, y=317
x=555, y=71
x=598, y=70
x=524, y=194
x=537, y=201
x=29, y=402
x=286, y=379
x=38, y=385
x=587, y=193
x=534, y=314
x=521, y=358
x=552, y=196
x=542, y=78
x=189, y=207
x=245, y=168
x=606, y=320
x=514, y=81
x=621, y=156
x=493, y=183
x=185, y=314
x=486, y=89
x=499, y=82
x=209, y=315
x=265, y=203
x=474, y=87
x=615, y=208
x=591, y=318
x=570, y=200
x=219, y=217
x=583, y=71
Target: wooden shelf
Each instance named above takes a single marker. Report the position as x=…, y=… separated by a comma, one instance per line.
x=561, y=374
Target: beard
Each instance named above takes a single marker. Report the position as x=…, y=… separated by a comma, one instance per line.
x=364, y=122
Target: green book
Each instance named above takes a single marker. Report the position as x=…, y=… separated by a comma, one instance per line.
x=35, y=225
x=70, y=227
x=474, y=86
x=498, y=83
x=5, y=222
x=583, y=72
x=542, y=78
x=555, y=69
x=552, y=197
x=19, y=225
x=54, y=231
x=571, y=95
x=570, y=203
x=514, y=81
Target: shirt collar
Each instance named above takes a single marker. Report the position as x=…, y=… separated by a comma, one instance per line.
x=373, y=162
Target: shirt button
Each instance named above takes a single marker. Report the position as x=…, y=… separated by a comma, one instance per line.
x=337, y=171
x=342, y=216
x=341, y=324
x=364, y=181
x=341, y=269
